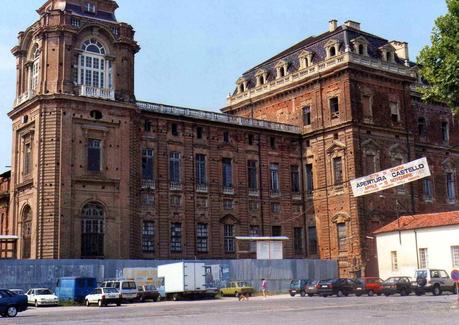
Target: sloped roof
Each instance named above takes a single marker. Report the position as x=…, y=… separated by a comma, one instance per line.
x=420, y=221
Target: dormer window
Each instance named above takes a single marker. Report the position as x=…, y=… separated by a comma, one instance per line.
x=241, y=85
x=90, y=7
x=387, y=53
x=262, y=77
x=75, y=22
x=305, y=58
x=360, y=45
x=281, y=69
x=332, y=48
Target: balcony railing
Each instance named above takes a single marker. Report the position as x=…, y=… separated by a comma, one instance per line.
x=24, y=97
x=216, y=117
x=275, y=193
x=201, y=188
x=254, y=192
x=228, y=190
x=96, y=92
x=175, y=186
x=296, y=196
x=148, y=184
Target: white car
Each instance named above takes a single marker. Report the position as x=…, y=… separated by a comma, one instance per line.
x=103, y=297
x=41, y=297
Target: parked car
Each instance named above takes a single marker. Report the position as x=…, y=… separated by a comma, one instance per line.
x=147, y=292
x=127, y=288
x=312, y=288
x=11, y=303
x=369, y=286
x=398, y=284
x=234, y=288
x=338, y=286
x=298, y=287
x=103, y=297
x=74, y=288
x=433, y=280
x=17, y=291
x=42, y=297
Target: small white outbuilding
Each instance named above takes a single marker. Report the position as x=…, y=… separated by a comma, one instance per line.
x=418, y=241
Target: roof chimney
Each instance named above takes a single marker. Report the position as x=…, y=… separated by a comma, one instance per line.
x=332, y=24
x=352, y=24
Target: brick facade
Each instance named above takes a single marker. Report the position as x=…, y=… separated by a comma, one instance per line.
x=62, y=106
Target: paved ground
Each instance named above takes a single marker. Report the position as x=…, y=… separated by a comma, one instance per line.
x=273, y=310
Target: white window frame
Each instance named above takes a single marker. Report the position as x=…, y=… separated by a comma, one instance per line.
x=455, y=256
x=394, y=261
x=92, y=64
x=423, y=258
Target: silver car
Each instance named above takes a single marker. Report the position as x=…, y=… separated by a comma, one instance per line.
x=433, y=280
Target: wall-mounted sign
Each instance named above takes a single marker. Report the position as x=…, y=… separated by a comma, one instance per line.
x=391, y=177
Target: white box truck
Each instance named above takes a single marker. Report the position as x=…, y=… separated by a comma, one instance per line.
x=183, y=280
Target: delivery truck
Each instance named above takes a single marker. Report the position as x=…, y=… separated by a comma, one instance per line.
x=183, y=279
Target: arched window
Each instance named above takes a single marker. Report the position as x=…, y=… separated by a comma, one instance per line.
x=26, y=231
x=361, y=49
x=332, y=51
x=35, y=69
x=92, y=230
x=93, y=69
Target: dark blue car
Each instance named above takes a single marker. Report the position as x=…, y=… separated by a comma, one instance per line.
x=11, y=304
x=74, y=288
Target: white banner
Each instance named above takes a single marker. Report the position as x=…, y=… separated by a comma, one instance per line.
x=391, y=177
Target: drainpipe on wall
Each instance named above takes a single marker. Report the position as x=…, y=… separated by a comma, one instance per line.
x=417, y=250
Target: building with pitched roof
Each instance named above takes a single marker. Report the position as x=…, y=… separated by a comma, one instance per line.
x=97, y=173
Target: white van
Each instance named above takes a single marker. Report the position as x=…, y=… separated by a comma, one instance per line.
x=127, y=288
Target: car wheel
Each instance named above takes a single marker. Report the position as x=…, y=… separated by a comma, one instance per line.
x=371, y=293
x=100, y=303
x=436, y=290
x=340, y=293
x=36, y=304
x=86, y=302
x=292, y=294
x=302, y=294
x=12, y=311
x=403, y=292
x=310, y=295
x=222, y=294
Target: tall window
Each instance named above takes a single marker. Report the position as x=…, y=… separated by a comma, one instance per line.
x=367, y=107
x=394, y=112
x=370, y=162
x=226, y=137
x=422, y=131
x=309, y=179
x=338, y=170
x=312, y=237
x=342, y=236
x=307, y=115
x=174, y=168
x=201, y=175
x=423, y=258
x=444, y=131
x=26, y=231
x=274, y=172
x=35, y=69
x=450, y=190
x=275, y=207
x=176, y=237
x=295, y=178
x=148, y=237
x=334, y=107
x=174, y=129
x=254, y=231
x=394, y=260
x=94, y=154
x=202, y=235
x=93, y=69
x=92, y=230
x=252, y=175
x=227, y=173
x=199, y=132
x=228, y=237
x=276, y=231
x=455, y=256
x=298, y=240
x=27, y=159
x=147, y=165
x=427, y=189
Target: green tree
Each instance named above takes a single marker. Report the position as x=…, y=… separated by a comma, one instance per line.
x=439, y=63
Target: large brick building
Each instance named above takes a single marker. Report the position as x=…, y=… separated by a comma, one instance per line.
x=98, y=174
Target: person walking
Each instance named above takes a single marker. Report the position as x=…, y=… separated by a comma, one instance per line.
x=264, y=287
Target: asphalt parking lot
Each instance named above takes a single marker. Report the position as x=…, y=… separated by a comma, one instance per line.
x=280, y=309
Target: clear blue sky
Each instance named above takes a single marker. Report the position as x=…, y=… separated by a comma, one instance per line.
x=193, y=51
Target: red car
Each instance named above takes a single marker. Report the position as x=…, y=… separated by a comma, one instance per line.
x=368, y=285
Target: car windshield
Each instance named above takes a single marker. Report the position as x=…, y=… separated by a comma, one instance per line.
x=110, y=290
x=43, y=292
x=421, y=274
x=129, y=285
x=392, y=280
